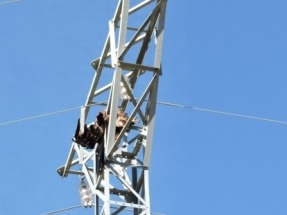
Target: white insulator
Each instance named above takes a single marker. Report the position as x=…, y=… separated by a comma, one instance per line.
x=123, y=92
x=85, y=194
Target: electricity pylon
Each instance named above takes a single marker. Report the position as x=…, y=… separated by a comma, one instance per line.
x=127, y=77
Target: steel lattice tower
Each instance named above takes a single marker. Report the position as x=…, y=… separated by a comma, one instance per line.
x=126, y=76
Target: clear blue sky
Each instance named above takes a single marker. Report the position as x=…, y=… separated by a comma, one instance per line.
x=227, y=55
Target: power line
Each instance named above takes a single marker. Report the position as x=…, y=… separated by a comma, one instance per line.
x=240, y=115
x=39, y=116
x=78, y=206
x=11, y=1
x=61, y=210
x=161, y=103
x=224, y=113
x=48, y=114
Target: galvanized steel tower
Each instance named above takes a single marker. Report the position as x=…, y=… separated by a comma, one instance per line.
x=127, y=77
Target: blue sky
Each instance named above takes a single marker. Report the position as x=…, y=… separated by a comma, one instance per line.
x=221, y=55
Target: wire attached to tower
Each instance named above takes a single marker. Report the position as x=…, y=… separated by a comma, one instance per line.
x=11, y=1
x=161, y=103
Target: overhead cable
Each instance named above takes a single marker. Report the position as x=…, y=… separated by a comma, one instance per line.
x=7, y=2
x=49, y=114
x=39, y=116
x=62, y=210
x=78, y=206
x=224, y=113
x=161, y=103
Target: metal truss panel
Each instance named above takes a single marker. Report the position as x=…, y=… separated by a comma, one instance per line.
x=126, y=78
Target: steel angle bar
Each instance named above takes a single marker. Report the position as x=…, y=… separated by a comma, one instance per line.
x=89, y=156
x=125, y=183
x=69, y=159
x=113, y=43
x=160, y=34
x=107, y=190
x=153, y=20
x=78, y=150
x=151, y=110
x=105, y=52
x=118, y=210
x=144, y=46
x=97, y=75
x=82, y=119
x=139, y=103
x=103, y=89
x=89, y=178
x=140, y=67
x=138, y=34
x=125, y=128
x=133, y=139
x=140, y=6
x=74, y=172
x=146, y=188
x=134, y=29
x=96, y=62
x=103, y=211
x=132, y=97
x=123, y=27
x=64, y=172
x=113, y=101
x=74, y=162
x=100, y=194
x=140, y=182
x=129, y=163
x=118, y=10
x=113, y=107
x=143, y=213
x=131, y=205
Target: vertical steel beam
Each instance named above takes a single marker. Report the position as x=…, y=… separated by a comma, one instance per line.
x=117, y=74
